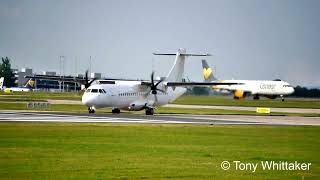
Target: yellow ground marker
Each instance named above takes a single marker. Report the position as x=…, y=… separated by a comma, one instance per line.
x=263, y=110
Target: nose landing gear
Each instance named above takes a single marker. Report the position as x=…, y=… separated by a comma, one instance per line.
x=91, y=110
x=149, y=111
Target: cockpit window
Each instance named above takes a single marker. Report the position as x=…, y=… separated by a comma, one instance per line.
x=287, y=85
x=102, y=91
x=88, y=90
x=94, y=90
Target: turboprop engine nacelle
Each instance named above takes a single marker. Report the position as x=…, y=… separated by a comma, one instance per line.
x=137, y=106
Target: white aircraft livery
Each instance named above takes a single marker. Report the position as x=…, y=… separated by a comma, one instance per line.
x=1, y=82
x=269, y=89
x=27, y=88
x=142, y=95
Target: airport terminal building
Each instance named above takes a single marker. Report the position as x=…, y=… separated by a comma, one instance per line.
x=50, y=85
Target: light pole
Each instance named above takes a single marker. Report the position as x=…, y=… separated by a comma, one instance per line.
x=60, y=63
x=90, y=66
x=62, y=58
x=75, y=73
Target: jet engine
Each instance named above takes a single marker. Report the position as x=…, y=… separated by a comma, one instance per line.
x=239, y=94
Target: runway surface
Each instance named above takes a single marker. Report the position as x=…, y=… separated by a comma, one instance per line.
x=21, y=116
x=240, y=108
x=243, y=108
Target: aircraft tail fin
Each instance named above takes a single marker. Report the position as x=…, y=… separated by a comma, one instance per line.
x=177, y=70
x=207, y=72
x=31, y=83
x=1, y=82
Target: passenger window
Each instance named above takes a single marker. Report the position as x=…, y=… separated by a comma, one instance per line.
x=94, y=90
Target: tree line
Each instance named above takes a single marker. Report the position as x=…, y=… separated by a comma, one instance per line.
x=305, y=92
x=7, y=73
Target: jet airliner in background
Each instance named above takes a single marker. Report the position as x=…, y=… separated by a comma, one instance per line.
x=27, y=88
x=257, y=88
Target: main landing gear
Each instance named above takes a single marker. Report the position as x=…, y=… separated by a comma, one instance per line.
x=256, y=97
x=282, y=98
x=149, y=111
x=115, y=111
x=91, y=110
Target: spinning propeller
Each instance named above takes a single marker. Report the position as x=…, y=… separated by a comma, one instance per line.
x=88, y=82
x=153, y=87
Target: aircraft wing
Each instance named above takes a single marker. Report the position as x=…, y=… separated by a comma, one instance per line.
x=181, y=54
x=59, y=78
x=199, y=83
x=107, y=81
x=76, y=79
x=146, y=83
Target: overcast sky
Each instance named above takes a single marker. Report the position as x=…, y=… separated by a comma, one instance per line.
x=250, y=39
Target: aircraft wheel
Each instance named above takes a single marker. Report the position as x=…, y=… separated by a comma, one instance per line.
x=115, y=111
x=256, y=97
x=149, y=111
x=91, y=110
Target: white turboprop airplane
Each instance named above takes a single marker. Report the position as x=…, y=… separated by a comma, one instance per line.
x=269, y=89
x=142, y=95
x=27, y=88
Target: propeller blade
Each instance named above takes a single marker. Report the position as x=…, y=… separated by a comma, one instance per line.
x=152, y=81
x=86, y=78
x=147, y=94
x=89, y=83
x=161, y=90
x=153, y=87
x=155, y=98
x=158, y=82
x=86, y=75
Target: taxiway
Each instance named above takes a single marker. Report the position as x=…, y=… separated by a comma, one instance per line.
x=23, y=116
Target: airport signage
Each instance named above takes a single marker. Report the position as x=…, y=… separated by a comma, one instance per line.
x=263, y=110
x=38, y=105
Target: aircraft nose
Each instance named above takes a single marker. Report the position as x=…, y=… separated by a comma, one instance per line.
x=291, y=90
x=87, y=100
